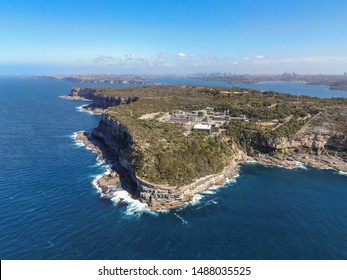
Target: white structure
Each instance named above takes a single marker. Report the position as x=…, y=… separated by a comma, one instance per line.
x=203, y=127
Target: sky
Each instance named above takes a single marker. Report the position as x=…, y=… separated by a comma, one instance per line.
x=172, y=37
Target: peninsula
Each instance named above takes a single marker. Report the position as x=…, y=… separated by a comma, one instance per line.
x=167, y=143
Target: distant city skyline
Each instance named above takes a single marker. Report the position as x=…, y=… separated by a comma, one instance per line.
x=172, y=37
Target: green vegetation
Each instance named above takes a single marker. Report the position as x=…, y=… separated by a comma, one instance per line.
x=166, y=153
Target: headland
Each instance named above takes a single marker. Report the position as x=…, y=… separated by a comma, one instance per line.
x=167, y=143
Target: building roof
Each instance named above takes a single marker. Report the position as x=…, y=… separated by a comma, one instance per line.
x=202, y=126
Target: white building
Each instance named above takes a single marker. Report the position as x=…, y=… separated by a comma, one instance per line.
x=203, y=127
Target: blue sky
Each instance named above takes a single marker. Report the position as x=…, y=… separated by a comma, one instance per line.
x=182, y=36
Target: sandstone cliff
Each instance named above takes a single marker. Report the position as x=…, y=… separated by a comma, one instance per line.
x=123, y=150
x=100, y=101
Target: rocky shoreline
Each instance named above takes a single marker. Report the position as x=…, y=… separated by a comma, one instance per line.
x=159, y=197
x=323, y=162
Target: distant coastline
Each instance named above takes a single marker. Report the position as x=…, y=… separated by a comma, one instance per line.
x=334, y=82
x=337, y=82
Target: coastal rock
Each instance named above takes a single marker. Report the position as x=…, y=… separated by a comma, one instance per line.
x=100, y=101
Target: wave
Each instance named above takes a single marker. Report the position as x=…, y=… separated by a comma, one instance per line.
x=208, y=202
x=132, y=206
x=122, y=198
x=182, y=220
x=78, y=143
x=209, y=191
x=300, y=164
x=251, y=162
x=233, y=180
x=342, y=173
x=82, y=109
x=197, y=198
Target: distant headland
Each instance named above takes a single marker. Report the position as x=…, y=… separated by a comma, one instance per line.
x=337, y=82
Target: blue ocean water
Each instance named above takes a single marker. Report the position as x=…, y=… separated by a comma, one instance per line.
x=49, y=208
x=297, y=88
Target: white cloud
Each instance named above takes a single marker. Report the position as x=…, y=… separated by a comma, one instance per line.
x=104, y=59
x=314, y=59
x=181, y=54
x=165, y=60
x=259, y=56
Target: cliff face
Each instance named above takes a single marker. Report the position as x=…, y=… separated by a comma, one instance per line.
x=317, y=143
x=125, y=152
x=120, y=148
x=100, y=101
x=318, y=135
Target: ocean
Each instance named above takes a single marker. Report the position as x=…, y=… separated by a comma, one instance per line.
x=49, y=208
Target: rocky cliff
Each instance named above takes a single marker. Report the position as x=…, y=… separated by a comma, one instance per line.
x=123, y=152
x=100, y=101
x=318, y=136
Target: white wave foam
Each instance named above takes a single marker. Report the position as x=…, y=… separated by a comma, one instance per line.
x=232, y=181
x=133, y=206
x=209, y=191
x=251, y=162
x=196, y=199
x=301, y=165
x=342, y=173
x=80, y=108
x=163, y=210
x=84, y=110
x=101, y=162
x=182, y=220
x=215, y=187
x=209, y=202
x=78, y=143
x=95, y=182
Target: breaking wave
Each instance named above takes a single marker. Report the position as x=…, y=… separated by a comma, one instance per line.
x=198, y=198
x=78, y=143
x=132, y=206
x=182, y=220
x=301, y=165
x=342, y=173
x=82, y=109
